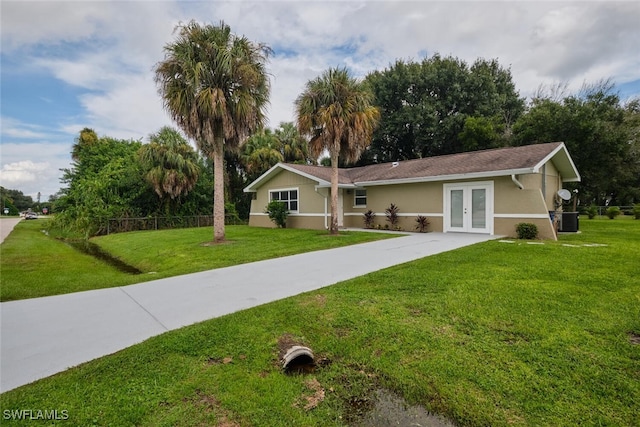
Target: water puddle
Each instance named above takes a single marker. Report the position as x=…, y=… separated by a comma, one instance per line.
x=386, y=409
x=95, y=251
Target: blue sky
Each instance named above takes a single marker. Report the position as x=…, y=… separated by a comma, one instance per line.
x=66, y=65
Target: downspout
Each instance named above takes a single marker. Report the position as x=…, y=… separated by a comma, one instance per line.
x=516, y=182
x=544, y=182
x=326, y=224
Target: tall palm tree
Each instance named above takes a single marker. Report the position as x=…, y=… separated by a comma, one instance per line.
x=215, y=86
x=86, y=138
x=293, y=146
x=171, y=165
x=261, y=151
x=336, y=112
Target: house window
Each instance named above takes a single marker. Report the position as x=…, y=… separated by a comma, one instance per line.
x=288, y=197
x=360, y=198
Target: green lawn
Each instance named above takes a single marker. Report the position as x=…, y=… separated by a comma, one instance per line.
x=492, y=334
x=36, y=265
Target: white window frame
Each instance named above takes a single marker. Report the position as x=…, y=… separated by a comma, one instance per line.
x=356, y=197
x=288, y=201
x=467, y=187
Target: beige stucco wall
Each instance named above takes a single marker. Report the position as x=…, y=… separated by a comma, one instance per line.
x=312, y=223
x=531, y=204
x=310, y=201
x=311, y=204
x=548, y=181
x=511, y=204
x=412, y=200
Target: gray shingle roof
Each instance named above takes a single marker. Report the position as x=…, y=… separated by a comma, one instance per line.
x=500, y=159
x=483, y=163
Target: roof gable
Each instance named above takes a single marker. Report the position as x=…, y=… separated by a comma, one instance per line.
x=468, y=165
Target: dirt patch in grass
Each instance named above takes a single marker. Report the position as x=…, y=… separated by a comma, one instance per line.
x=210, y=404
x=315, y=398
x=222, y=360
x=285, y=342
x=318, y=300
x=634, y=338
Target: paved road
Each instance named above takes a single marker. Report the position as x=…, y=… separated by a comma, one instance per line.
x=43, y=336
x=6, y=226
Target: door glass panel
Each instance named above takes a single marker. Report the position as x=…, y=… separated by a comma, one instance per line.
x=457, y=206
x=478, y=208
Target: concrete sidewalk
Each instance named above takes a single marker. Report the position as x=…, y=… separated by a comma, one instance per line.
x=43, y=336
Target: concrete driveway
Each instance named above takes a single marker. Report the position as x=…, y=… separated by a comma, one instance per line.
x=43, y=336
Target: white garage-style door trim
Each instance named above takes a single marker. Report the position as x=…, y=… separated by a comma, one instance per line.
x=468, y=207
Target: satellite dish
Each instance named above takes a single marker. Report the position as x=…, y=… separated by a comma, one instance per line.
x=564, y=194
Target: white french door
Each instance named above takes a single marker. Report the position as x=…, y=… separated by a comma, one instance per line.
x=468, y=207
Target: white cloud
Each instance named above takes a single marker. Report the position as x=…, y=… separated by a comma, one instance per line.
x=108, y=49
x=13, y=128
x=573, y=39
x=21, y=172
x=35, y=166
x=289, y=75
x=131, y=110
x=26, y=23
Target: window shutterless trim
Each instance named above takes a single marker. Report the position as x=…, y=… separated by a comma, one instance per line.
x=289, y=200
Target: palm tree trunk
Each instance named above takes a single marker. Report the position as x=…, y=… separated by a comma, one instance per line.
x=333, y=229
x=218, y=189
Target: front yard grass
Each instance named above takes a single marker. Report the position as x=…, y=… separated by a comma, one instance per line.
x=36, y=265
x=492, y=334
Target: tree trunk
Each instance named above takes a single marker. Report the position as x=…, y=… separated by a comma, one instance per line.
x=218, y=189
x=333, y=229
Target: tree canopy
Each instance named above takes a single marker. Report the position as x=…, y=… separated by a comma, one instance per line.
x=265, y=148
x=104, y=181
x=15, y=200
x=260, y=152
x=170, y=164
x=109, y=179
x=441, y=106
x=601, y=135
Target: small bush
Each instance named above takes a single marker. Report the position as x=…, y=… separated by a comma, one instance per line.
x=278, y=213
x=636, y=211
x=592, y=211
x=527, y=231
x=422, y=222
x=392, y=215
x=613, y=212
x=231, y=214
x=369, y=218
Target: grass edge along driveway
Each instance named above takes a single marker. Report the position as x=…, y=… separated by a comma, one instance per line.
x=36, y=265
x=492, y=334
